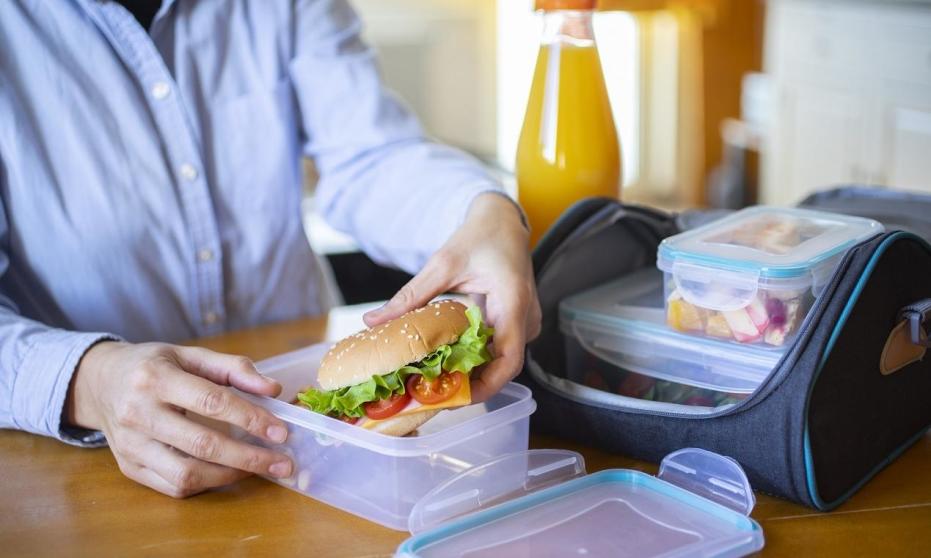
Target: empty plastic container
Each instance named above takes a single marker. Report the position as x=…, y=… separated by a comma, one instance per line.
x=752, y=276
x=381, y=477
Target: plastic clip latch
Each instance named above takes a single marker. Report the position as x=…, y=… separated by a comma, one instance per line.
x=485, y=485
x=714, y=477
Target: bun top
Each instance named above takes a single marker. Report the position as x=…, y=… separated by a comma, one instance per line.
x=384, y=348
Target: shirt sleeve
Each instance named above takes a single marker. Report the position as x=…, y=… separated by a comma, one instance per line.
x=382, y=181
x=36, y=366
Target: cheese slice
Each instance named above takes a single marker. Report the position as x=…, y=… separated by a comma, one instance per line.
x=463, y=397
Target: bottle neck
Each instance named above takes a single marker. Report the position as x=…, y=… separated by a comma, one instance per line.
x=568, y=26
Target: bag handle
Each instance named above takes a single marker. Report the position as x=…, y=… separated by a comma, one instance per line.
x=917, y=314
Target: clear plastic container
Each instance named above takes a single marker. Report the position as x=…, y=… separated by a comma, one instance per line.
x=752, y=277
x=381, y=477
x=541, y=503
x=617, y=340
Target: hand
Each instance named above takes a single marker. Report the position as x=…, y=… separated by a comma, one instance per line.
x=488, y=255
x=138, y=395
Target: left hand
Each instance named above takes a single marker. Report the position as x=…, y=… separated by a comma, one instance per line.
x=488, y=255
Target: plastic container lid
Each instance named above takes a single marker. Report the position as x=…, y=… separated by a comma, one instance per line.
x=624, y=323
x=541, y=503
x=767, y=243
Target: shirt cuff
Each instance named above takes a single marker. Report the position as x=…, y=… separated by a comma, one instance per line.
x=467, y=193
x=517, y=207
x=42, y=381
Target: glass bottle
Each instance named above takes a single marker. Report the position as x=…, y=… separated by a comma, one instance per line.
x=568, y=148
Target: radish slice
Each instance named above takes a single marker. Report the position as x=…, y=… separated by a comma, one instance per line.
x=742, y=326
x=758, y=315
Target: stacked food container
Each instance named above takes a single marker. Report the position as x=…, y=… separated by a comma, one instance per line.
x=709, y=325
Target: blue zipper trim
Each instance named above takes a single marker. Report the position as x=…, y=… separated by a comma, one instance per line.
x=835, y=334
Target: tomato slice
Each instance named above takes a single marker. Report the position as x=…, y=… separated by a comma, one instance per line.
x=636, y=385
x=430, y=392
x=384, y=408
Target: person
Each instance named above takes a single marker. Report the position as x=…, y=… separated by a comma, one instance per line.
x=150, y=186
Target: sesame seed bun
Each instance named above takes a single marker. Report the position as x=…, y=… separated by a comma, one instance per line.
x=384, y=348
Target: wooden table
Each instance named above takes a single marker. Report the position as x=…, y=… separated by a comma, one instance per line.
x=57, y=500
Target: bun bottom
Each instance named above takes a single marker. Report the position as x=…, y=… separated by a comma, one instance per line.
x=405, y=424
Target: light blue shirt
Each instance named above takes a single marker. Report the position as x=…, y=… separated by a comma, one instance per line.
x=150, y=181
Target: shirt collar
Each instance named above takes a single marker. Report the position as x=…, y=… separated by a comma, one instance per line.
x=166, y=5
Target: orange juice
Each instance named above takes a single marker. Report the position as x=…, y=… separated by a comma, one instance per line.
x=568, y=147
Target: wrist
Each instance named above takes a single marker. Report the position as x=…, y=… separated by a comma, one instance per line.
x=499, y=208
x=81, y=408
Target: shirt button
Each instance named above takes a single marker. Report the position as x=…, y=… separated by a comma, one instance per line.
x=211, y=318
x=205, y=254
x=160, y=90
x=188, y=172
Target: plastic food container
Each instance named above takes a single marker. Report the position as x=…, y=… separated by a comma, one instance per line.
x=381, y=477
x=617, y=339
x=541, y=504
x=752, y=277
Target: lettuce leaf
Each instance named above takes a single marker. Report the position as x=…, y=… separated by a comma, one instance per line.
x=468, y=352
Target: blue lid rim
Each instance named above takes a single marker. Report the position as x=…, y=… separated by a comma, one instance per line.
x=682, y=496
x=667, y=255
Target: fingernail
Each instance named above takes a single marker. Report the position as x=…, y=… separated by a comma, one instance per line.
x=280, y=469
x=277, y=433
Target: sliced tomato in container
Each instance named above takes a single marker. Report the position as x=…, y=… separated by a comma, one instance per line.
x=386, y=408
x=430, y=392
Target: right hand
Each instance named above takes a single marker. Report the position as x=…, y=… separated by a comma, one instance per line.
x=138, y=395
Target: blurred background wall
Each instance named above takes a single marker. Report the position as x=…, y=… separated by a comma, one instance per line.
x=718, y=102
x=674, y=71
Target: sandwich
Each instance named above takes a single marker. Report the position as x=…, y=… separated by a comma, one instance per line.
x=394, y=377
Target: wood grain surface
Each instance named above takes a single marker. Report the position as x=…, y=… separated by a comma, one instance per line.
x=57, y=500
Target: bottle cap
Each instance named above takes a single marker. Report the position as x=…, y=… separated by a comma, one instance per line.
x=549, y=5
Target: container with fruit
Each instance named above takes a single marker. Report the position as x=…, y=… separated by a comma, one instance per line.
x=752, y=277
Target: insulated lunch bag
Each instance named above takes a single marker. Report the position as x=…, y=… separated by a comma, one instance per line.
x=850, y=393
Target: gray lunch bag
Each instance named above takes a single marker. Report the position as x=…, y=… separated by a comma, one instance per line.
x=838, y=407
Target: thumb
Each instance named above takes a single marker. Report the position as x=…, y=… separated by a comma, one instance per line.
x=431, y=281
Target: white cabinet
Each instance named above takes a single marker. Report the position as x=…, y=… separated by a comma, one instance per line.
x=851, y=96
x=906, y=138
x=818, y=139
